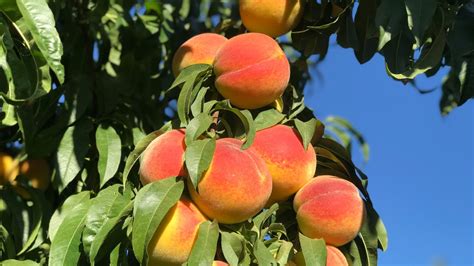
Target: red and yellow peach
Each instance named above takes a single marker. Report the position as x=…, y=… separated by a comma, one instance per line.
x=331, y=208
x=235, y=187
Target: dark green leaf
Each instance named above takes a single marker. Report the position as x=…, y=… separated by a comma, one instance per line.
x=7, y=246
x=420, y=13
x=150, y=207
x=314, y=250
x=198, y=158
x=367, y=32
x=109, y=147
x=204, y=249
x=391, y=18
x=40, y=21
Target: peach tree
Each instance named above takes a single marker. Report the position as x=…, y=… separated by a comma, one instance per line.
x=86, y=87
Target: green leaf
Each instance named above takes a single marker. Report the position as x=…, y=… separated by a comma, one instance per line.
x=19, y=263
x=420, y=13
x=262, y=217
x=233, y=247
x=189, y=73
x=109, y=147
x=66, y=244
x=263, y=255
x=71, y=153
x=198, y=158
x=390, y=18
x=268, y=118
x=197, y=126
x=314, y=250
x=198, y=104
x=64, y=210
x=107, y=205
x=306, y=130
x=344, y=123
x=7, y=246
x=150, y=207
x=367, y=32
x=40, y=21
x=204, y=249
x=140, y=148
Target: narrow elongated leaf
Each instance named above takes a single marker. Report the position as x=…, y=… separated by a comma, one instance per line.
x=263, y=255
x=367, y=32
x=40, y=21
x=197, y=126
x=71, y=153
x=314, y=250
x=108, y=203
x=204, y=249
x=64, y=210
x=66, y=244
x=7, y=246
x=268, y=118
x=109, y=147
x=198, y=158
x=19, y=263
x=233, y=247
x=391, y=18
x=150, y=207
x=420, y=13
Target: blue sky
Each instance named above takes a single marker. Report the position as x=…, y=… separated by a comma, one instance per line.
x=421, y=164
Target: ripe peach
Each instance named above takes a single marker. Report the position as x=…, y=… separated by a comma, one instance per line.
x=331, y=208
x=235, y=187
x=271, y=17
x=37, y=172
x=174, y=239
x=164, y=157
x=334, y=257
x=251, y=70
x=8, y=168
x=200, y=49
x=290, y=165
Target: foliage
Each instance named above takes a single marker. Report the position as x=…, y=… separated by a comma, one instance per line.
x=88, y=84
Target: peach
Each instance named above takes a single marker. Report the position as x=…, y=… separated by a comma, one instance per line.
x=334, y=257
x=37, y=172
x=290, y=165
x=235, y=187
x=251, y=70
x=164, y=157
x=8, y=168
x=200, y=49
x=331, y=208
x=175, y=236
x=271, y=17
x=219, y=263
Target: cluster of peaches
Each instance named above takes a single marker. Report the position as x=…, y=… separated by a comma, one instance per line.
x=251, y=71
x=36, y=172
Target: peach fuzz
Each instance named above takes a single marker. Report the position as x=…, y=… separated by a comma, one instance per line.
x=200, y=49
x=235, y=187
x=175, y=236
x=164, y=157
x=334, y=257
x=271, y=17
x=251, y=70
x=331, y=208
x=290, y=165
